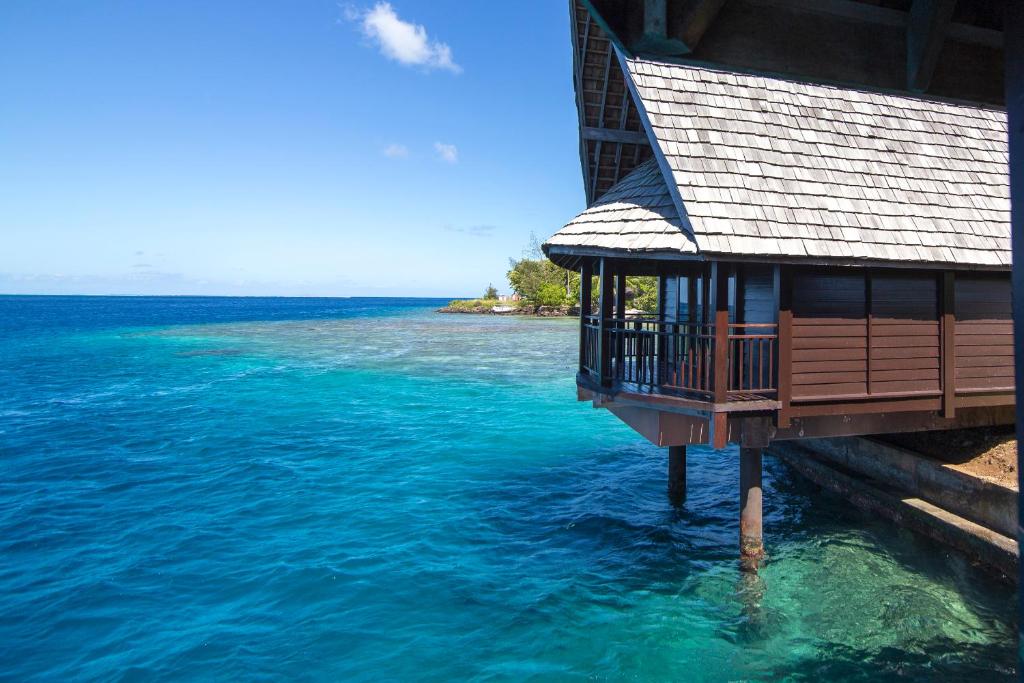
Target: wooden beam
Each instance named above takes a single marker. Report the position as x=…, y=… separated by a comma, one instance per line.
x=698, y=17
x=655, y=38
x=655, y=14
x=579, y=51
x=926, y=32
x=884, y=16
x=628, y=137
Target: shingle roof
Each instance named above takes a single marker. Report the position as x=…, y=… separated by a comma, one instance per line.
x=635, y=215
x=767, y=167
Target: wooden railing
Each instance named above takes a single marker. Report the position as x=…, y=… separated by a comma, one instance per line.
x=590, y=361
x=752, y=360
x=679, y=358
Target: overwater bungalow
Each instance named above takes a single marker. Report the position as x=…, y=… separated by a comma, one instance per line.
x=822, y=191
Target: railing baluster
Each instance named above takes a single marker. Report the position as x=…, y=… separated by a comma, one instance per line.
x=679, y=357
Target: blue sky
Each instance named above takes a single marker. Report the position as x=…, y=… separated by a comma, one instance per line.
x=299, y=147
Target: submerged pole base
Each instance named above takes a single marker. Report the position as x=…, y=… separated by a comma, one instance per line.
x=676, y=475
x=751, y=533
x=752, y=555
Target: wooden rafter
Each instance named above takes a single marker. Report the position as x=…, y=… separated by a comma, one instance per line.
x=608, y=119
x=926, y=32
x=698, y=18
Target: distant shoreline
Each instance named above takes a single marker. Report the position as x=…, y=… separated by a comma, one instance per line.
x=514, y=308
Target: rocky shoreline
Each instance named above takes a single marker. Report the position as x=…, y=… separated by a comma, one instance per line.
x=534, y=311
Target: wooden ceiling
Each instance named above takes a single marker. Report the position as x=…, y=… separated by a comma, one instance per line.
x=940, y=48
x=612, y=139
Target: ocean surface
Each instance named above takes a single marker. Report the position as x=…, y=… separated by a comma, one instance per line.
x=366, y=490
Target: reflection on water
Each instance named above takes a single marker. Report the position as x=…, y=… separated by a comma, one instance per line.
x=406, y=495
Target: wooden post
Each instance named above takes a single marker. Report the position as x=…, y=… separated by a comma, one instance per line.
x=620, y=313
x=868, y=324
x=739, y=310
x=719, y=302
x=691, y=297
x=604, y=313
x=586, y=275
x=784, y=368
x=948, y=354
x=751, y=534
x=654, y=19
x=676, y=474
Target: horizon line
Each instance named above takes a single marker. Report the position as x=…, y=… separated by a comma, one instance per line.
x=234, y=296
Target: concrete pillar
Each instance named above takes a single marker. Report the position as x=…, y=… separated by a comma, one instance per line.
x=676, y=474
x=751, y=540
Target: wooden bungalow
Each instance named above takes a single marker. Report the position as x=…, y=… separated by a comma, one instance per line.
x=833, y=259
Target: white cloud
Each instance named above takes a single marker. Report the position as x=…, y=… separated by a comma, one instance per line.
x=449, y=153
x=396, y=151
x=402, y=41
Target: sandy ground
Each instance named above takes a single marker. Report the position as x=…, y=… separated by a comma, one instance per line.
x=985, y=452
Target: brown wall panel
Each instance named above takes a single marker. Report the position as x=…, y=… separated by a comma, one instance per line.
x=984, y=332
x=829, y=334
x=904, y=311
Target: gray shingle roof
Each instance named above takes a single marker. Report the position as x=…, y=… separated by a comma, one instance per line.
x=635, y=215
x=767, y=167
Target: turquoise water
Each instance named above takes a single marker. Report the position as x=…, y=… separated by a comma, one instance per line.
x=366, y=490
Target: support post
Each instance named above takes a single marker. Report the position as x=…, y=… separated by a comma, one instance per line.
x=586, y=275
x=654, y=19
x=620, y=313
x=719, y=303
x=948, y=346
x=604, y=346
x=783, y=277
x=676, y=474
x=751, y=536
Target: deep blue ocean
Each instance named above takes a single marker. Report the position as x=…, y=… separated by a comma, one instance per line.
x=365, y=490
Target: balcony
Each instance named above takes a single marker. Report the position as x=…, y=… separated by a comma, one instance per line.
x=694, y=362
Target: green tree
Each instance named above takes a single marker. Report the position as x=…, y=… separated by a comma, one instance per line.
x=491, y=292
x=642, y=293
x=551, y=294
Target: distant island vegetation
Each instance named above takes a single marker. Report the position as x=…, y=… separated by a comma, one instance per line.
x=541, y=288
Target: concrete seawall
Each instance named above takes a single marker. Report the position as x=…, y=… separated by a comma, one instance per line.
x=976, y=516
x=981, y=501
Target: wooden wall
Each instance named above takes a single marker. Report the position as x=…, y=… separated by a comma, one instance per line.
x=876, y=334
x=758, y=293
x=829, y=335
x=904, y=335
x=984, y=333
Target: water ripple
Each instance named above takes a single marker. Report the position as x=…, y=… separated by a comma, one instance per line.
x=387, y=493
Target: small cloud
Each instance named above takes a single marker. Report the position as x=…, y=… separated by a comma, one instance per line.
x=396, y=151
x=473, y=230
x=449, y=153
x=402, y=41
